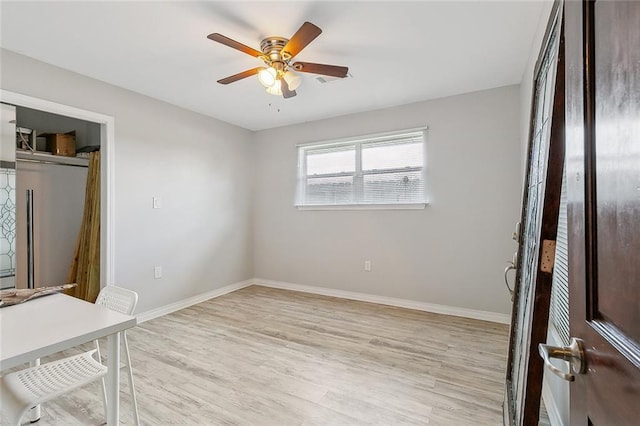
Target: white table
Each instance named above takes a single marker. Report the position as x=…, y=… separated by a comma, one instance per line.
x=53, y=323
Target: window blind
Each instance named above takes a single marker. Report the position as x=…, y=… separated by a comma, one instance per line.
x=388, y=169
x=559, y=308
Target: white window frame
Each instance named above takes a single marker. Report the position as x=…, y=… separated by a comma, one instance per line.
x=358, y=174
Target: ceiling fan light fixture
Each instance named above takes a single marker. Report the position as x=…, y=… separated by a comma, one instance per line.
x=275, y=89
x=293, y=79
x=277, y=53
x=267, y=77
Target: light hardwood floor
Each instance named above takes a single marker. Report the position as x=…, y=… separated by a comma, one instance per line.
x=261, y=356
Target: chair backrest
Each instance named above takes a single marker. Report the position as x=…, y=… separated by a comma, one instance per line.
x=118, y=299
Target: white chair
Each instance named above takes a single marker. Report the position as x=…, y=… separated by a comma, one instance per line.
x=27, y=388
x=124, y=301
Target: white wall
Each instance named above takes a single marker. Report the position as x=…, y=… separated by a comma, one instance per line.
x=451, y=253
x=202, y=235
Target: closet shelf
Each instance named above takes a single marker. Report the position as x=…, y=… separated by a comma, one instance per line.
x=45, y=157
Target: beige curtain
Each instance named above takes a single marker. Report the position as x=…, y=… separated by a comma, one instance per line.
x=85, y=266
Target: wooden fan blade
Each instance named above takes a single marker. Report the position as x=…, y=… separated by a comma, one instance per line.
x=331, y=70
x=305, y=35
x=240, y=76
x=234, y=44
x=286, y=92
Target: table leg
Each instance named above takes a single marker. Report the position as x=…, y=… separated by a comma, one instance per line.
x=113, y=379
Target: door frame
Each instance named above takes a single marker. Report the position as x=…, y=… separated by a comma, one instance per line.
x=534, y=329
x=107, y=167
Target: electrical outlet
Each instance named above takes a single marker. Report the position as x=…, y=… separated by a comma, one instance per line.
x=157, y=272
x=367, y=265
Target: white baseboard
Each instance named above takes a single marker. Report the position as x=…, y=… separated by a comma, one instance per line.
x=164, y=310
x=362, y=297
x=383, y=300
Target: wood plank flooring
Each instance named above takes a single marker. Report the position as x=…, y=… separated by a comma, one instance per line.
x=261, y=356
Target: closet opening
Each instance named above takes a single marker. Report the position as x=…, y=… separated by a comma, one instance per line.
x=56, y=176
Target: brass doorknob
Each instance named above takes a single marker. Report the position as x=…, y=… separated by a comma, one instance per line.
x=573, y=354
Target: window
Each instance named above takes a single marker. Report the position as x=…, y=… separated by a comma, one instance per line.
x=387, y=170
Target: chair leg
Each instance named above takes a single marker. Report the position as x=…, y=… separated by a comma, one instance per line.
x=12, y=410
x=131, y=383
x=104, y=385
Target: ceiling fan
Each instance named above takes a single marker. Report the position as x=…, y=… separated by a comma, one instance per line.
x=277, y=53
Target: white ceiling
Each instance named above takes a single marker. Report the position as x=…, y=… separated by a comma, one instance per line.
x=397, y=52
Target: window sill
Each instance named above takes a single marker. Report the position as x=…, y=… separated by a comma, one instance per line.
x=413, y=206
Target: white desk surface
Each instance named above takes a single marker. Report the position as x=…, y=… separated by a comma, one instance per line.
x=51, y=324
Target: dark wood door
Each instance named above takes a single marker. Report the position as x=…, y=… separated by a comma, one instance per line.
x=602, y=46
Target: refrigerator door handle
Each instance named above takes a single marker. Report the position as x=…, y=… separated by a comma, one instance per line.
x=30, y=248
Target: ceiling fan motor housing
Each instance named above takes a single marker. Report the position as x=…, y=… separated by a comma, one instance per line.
x=272, y=48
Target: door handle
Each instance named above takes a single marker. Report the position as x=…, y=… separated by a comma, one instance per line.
x=510, y=267
x=573, y=354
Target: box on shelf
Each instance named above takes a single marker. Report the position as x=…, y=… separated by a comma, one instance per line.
x=61, y=143
x=25, y=137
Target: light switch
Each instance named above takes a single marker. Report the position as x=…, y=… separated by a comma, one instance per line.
x=156, y=202
x=157, y=272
